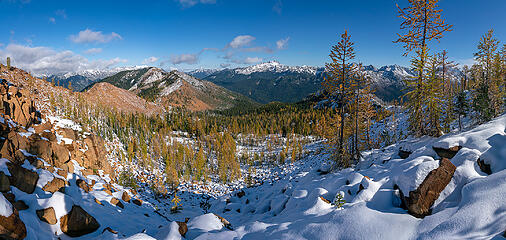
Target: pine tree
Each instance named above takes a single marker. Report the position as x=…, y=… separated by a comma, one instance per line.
x=340, y=74
x=423, y=23
x=434, y=97
x=487, y=96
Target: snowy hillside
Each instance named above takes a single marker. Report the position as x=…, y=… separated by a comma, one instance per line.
x=471, y=206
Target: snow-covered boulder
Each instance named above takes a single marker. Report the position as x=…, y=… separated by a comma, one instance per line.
x=420, y=201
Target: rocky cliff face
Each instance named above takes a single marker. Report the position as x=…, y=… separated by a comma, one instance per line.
x=33, y=151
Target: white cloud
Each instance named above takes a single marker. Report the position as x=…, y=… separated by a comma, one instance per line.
x=52, y=20
x=225, y=65
x=93, y=51
x=282, y=43
x=89, y=36
x=184, y=58
x=150, y=60
x=46, y=61
x=191, y=3
x=241, y=41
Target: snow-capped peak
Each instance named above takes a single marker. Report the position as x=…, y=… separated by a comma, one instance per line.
x=274, y=66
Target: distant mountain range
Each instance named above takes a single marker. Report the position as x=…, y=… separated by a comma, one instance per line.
x=273, y=81
x=263, y=83
x=175, y=89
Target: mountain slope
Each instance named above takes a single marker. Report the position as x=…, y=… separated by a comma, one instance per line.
x=109, y=95
x=82, y=79
x=176, y=89
x=270, y=81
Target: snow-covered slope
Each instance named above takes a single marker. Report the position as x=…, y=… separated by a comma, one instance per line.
x=471, y=206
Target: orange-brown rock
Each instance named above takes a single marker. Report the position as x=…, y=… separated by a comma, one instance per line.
x=41, y=148
x=116, y=202
x=78, y=222
x=54, y=185
x=60, y=154
x=12, y=227
x=420, y=201
x=125, y=197
x=48, y=135
x=83, y=185
x=183, y=227
x=47, y=215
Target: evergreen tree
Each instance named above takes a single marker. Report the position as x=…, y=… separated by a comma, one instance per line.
x=423, y=23
x=337, y=83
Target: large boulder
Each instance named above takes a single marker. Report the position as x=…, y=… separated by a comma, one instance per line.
x=447, y=152
x=55, y=185
x=42, y=149
x=47, y=215
x=60, y=155
x=420, y=201
x=22, y=178
x=5, y=185
x=78, y=222
x=12, y=227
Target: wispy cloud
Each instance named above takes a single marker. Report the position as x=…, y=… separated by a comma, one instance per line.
x=191, y=3
x=46, y=61
x=278, y=6
x=61, y=13
x=150, y=60
x=93, y=51
x=282, y=43
x=184, y=58
x=89, y=36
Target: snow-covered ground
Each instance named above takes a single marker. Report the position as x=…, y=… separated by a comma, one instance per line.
x=290, y=201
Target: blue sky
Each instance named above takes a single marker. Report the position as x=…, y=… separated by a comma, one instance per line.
x=58, y=36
